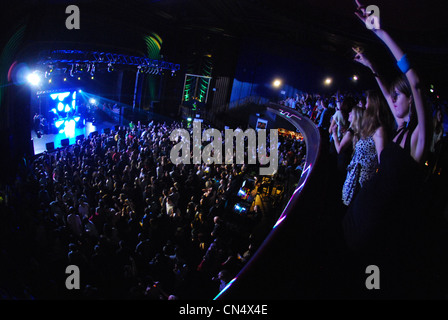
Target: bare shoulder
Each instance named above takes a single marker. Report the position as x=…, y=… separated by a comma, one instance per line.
x=380, y=132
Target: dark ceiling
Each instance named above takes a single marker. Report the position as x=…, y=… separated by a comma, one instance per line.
x=331, y=26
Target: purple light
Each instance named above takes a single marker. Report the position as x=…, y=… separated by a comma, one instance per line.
x=227, y=287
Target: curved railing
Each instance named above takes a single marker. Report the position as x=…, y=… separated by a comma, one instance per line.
x=268, y=274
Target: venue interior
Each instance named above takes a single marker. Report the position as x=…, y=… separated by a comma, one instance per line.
x=96, y=97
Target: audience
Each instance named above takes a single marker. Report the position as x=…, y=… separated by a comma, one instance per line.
x=140, y=227
x=362, y=167
x=387, y=222
x=344, y=149
x=137, y=225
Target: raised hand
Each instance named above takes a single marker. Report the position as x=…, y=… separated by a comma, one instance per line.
x=369, y=15
x=361, y=11
x=361, y=58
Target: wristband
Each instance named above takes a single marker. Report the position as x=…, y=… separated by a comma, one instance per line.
x=403, y=64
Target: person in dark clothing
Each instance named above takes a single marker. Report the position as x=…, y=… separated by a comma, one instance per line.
x=383, y=224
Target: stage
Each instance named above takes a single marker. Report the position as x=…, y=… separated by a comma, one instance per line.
x=40, y=144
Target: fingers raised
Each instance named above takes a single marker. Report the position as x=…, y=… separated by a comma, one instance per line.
x=361, y=16
x=358, y=3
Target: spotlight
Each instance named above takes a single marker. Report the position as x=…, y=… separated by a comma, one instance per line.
x=277, y=83
x=92, y=101
x=355, y=78
x=33, y=79
x=328, y=81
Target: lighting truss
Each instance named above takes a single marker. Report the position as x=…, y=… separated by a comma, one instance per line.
x=96, y=58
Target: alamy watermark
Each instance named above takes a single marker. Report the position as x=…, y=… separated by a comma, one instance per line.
x=73, y=21
x=373, y=280
x=373, y=18
x=213, y=152
x=73, y=281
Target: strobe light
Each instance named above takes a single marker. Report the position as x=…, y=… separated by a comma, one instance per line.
x=33, y=79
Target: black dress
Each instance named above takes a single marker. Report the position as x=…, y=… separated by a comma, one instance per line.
x=382, y=223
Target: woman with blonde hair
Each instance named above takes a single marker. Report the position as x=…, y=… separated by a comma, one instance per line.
x=350, y=136
x=369, y=140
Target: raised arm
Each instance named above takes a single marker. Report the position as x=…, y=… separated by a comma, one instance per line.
x=361, y=58
x=345, y=142
x=419, y=135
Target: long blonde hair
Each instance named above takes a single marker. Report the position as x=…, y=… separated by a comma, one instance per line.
x=356, y=124
x=376, y=115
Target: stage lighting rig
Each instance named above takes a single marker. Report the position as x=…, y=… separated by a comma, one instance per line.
x=92, y=69
x=90, y=61
x=72, y=71
x=49, y=71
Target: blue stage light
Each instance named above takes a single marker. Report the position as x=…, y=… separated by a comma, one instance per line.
x=58, y=123
x=33, y=79
x=60, y=106
x=63, y=95
x=70, y=128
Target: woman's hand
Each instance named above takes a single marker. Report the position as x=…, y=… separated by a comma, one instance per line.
x=369, y=19
x=333, y=128
x=361, y=12
x=361, y=58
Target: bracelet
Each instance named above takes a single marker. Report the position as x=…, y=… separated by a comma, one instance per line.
x=403, y=64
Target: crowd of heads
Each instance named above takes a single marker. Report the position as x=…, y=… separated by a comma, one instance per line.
x=358, y=115
x=136, y=225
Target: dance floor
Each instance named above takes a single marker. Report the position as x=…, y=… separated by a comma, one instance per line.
x=40, y=144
